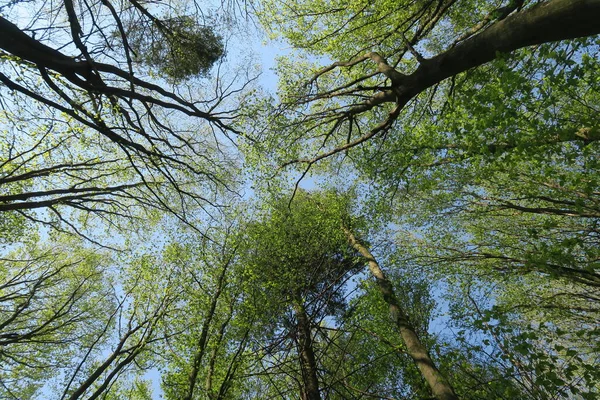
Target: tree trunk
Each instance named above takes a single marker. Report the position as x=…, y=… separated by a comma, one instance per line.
x=440, y=387
x=308, y=365
x=201, y=346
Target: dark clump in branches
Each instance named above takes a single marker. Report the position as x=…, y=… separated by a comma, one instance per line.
x=178, y=47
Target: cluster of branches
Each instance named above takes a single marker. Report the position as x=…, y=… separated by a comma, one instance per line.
x=62, y=318
x=344, y=111
x=89, y=124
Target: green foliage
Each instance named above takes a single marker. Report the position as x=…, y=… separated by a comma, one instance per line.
x=301, y=249
x=54, y=303
x=482, y=200
x=344, y=29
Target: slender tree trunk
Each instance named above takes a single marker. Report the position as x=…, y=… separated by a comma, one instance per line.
x=308, y=364
x=233, y=366
x=208, y=386
x=201, y=346
x=440, y=387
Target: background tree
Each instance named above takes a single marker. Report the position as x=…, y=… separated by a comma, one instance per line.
x=208, y=332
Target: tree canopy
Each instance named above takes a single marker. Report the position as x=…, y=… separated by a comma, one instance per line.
x=412, y=213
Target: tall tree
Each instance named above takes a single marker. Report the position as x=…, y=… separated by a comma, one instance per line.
x=208, y=332
x=439, y=384
x=72, y=324
x=52, y=305
x=301, y=258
